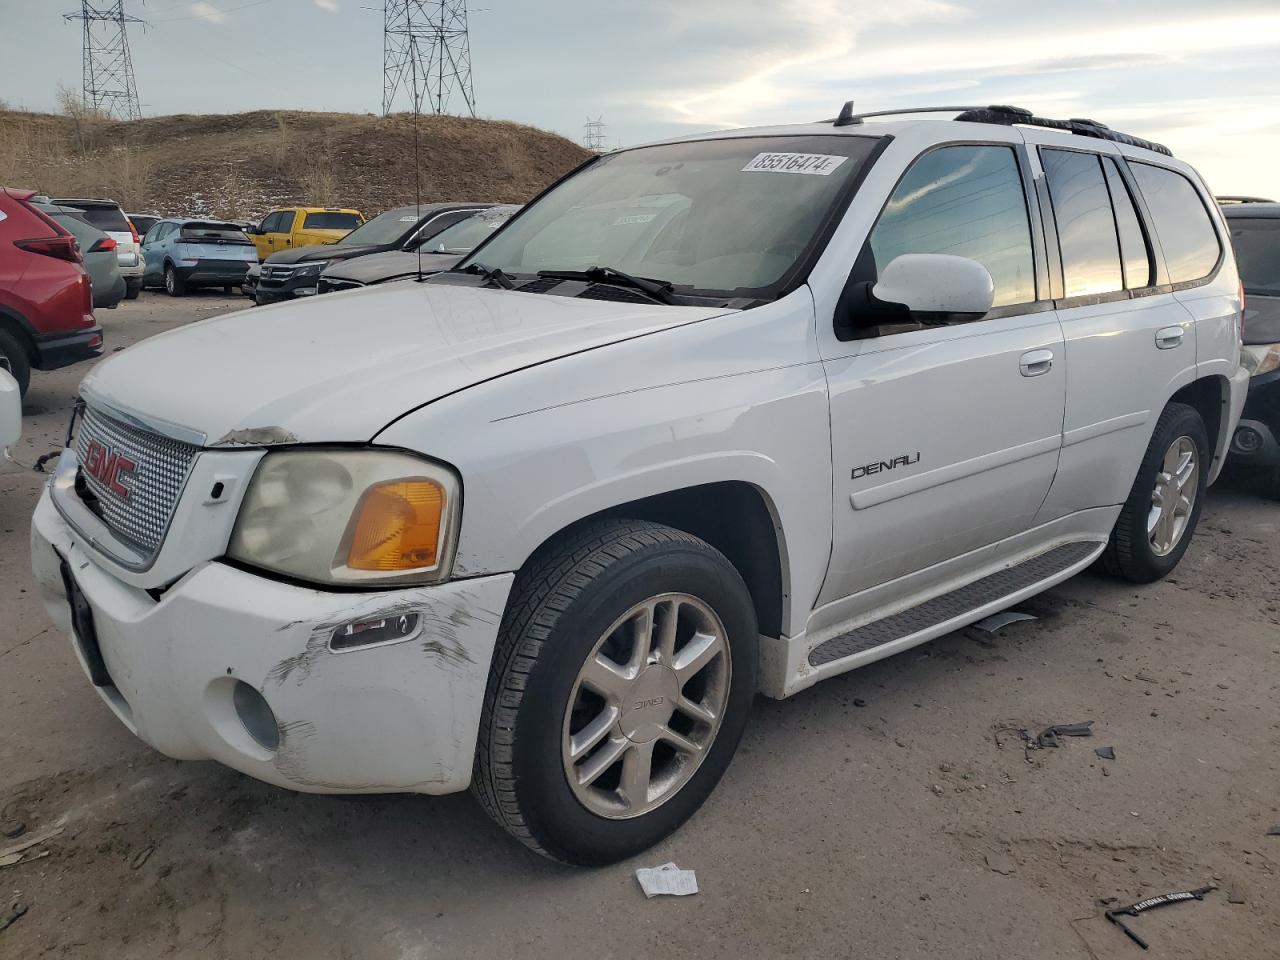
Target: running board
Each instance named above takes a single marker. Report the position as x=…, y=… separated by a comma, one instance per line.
x=953, y=605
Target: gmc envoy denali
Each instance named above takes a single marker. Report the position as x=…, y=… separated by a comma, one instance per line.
x=723, y=415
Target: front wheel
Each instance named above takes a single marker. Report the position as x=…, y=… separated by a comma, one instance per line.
x=621, y=684
x=1160, y=516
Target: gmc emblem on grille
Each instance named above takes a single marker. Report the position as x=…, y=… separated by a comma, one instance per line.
x=109, y=467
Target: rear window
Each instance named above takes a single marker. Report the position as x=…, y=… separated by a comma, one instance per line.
x=331, y=221
x=1257, y=246
x=213, y=231
x=1182, y=223
x=106, y=219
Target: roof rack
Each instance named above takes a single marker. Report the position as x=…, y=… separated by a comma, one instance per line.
x=1230, y=199
x=1008, y=116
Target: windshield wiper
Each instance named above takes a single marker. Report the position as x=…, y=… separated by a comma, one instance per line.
x=659, y=290
x=490, y=274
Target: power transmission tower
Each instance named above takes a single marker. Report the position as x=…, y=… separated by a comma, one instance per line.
x=108, y=68
x=426, y=52
x=593, y=134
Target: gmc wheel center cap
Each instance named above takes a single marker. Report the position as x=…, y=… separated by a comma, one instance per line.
x=649, y=704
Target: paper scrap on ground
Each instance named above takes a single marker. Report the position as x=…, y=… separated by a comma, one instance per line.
x=667, y=879
x=1002, y=619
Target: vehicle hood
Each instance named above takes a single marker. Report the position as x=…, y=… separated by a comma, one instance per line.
x=324, y=251
x=341, y=367
x=393, y=263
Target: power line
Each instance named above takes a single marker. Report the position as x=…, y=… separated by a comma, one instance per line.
x=108, y=86
x=426, y=53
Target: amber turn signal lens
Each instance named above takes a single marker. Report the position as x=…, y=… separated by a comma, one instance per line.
x=397, y=526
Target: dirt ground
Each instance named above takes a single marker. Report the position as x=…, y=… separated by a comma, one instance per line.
x=872, y=816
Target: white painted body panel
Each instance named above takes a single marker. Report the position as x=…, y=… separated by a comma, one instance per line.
x=552, y=409
x=10, y=412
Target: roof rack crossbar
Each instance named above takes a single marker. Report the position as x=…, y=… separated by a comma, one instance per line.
x=1235, y=199
x=1008, y=116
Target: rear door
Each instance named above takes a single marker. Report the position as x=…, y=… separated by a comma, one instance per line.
x=945, y=439
x=1129, y=342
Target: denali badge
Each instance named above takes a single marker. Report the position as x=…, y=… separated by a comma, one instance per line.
x=109, y=467
x=906, y=460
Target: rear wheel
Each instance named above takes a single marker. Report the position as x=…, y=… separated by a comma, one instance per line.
x=13, y=357
x=132, y=289
x=174, y=285
x=621, y=684
x=1160, y=516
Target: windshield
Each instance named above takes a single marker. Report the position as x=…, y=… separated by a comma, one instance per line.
x=1257, y=246
x=386, y=227
x=331, y=221
x=465, y=235
x=733, y=217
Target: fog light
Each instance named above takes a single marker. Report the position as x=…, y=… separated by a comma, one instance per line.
x=364, y=633
x=1247, y=440
x=255, y=713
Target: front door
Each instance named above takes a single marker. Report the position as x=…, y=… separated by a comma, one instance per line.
x=945, y=439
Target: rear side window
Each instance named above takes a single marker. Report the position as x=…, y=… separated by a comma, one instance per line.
x=330, y=221
x=1133, y=245
x=1257, y=244
x=966, y=201
x=1086, y=226
x=106, y=219
x=1182, y=223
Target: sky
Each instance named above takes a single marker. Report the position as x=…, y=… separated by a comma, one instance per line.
x=1202, y=78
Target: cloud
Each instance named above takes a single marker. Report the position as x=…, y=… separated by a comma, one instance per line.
x=207, y=11
x=330, y=5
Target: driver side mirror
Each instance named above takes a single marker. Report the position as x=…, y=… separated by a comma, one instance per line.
x=918, y=290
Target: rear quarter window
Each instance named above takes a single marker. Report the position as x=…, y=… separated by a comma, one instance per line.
x=1190, y=244
x=106, y=219
x=330, y=221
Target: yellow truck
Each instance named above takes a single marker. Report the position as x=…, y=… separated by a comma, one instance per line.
x=292, y=227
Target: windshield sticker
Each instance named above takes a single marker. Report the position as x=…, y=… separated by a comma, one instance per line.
x=408, y=219
x=635, y=218
x=815, y=164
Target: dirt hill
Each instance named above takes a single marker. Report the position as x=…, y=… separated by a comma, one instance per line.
x=242, y=165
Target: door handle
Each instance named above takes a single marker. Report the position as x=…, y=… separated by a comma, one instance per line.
x=1035, y=363
x=1168, y=337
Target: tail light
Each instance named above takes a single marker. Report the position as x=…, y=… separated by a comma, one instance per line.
x=60, y=248
x=134, y=231
x=1242, y=311
x=103, y=245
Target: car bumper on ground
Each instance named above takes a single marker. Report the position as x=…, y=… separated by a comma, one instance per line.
x=61, y=350
x=1254, y=441
x=236, y=667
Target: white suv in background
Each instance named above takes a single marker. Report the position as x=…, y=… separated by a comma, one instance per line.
x=717, y=416
x=107, y=216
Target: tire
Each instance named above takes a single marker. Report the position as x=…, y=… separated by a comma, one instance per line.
x=230, y=290
x=174, y=285
x=132, y=289
x=562, y=609
x=1131, y=553
x=13, y=356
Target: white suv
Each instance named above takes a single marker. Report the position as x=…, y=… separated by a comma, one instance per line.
x=727, y=414
x=107, y=216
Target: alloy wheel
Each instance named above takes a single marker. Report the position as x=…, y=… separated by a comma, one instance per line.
x=1174, y=496
x=646, y=706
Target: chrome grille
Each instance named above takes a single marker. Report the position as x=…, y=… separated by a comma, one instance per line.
x=160, y=468
x=273, y=272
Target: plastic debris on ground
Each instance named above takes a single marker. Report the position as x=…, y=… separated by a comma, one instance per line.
x=667, y=880
x=1105, y=753
x=1046, y=738
x=1002, y=619
x=1152, y=903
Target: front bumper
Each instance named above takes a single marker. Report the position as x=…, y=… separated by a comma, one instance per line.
x=61, y=350
x=274, y=291
x=398, y=717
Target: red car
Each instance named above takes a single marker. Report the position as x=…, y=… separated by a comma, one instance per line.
x=46, y=301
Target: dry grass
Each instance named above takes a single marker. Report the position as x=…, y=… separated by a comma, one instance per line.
x=242, y=165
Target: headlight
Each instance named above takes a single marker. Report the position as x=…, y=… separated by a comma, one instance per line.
x=349, y=517
x=310, y=269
